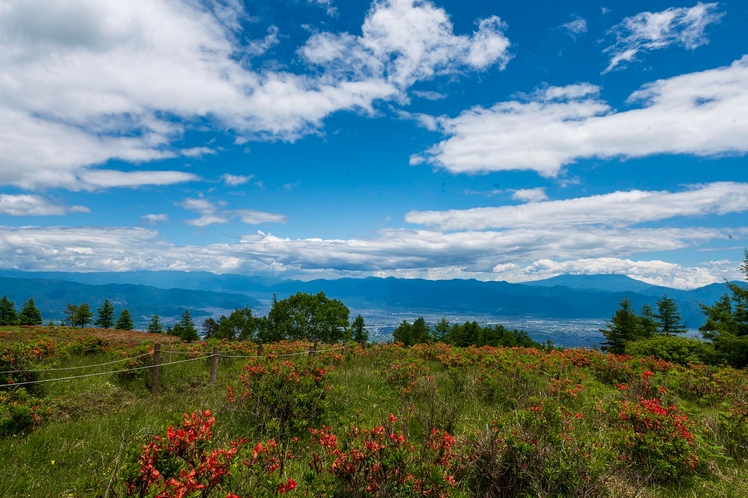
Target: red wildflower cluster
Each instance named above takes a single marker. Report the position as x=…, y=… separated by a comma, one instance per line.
x=179, y=465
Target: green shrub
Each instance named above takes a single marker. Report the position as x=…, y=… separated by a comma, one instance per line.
x=679, y=350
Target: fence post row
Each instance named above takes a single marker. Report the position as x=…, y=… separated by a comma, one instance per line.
x=154, y=370
x=214, y=364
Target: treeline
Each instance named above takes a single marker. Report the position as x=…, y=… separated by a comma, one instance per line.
x=659, y=333
x=29, y=314
x=462, y=335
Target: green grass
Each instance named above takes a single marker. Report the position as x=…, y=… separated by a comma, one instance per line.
x=96, y=425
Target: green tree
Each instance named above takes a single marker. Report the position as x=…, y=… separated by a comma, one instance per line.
x=403, y=333
x=185, y=329
x=78, y=315
x=106, y=315
x=622, y=328
x=668, y=317
x=239, y=325
x=30, y=314
x=647, y=321
x=309, y=317
x=8, y=315
x=441, y=330
x=124, y=322
x=726, y=323
x=358, y=327
x=155, y=326
x=210, y=327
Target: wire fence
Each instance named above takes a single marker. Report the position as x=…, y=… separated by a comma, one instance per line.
x=157, y=364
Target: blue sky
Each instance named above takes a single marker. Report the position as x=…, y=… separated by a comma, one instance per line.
x=321, y=139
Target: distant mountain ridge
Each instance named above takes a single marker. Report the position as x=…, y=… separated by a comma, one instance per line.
x=143, y=301
x=565, y=296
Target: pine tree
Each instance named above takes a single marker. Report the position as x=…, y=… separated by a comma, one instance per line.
x=623, y=327
x=647, y=321
x=155, y=326
x=668, y=317
x=727, y=322
x=30, y=314
x=124, y=322
x=187, y=330
x=8, y=315
x=360, y=334
x=106, y=315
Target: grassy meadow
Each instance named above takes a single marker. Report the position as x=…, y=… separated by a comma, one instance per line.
x=384, y=420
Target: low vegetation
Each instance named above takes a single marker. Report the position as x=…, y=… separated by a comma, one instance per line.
x=380, y=420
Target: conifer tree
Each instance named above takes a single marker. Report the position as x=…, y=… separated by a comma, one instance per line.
x=186, y=327
x=668, y=317
x=623, y=327
x=155, y=326
x=124, y=322
x=8, y=315
x=360, y=334
x=647, y=321
x=106, y=315
x=30, y=314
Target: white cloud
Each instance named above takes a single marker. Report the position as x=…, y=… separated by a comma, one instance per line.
x=235, y=180
x=86, y=81
x=698, y=113
x=530, y=195
x=101, y=178
x=33, y=205
x=577, y=26
x=252, y=217
x=655, y=272
x=405, y=41
x=155, y=218
x=616, y=209
x=516, y=255
x=327, y=4
x=428, y=95
x=212, y=214
x=649, y=31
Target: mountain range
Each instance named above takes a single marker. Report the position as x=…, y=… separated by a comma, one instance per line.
x=169, y=293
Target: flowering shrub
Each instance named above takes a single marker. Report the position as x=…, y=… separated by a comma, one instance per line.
x=181, y=464
x=284, y=398
x=656, y=441
x=20, y=412
x=380, y=462
x=264, y=473
x=19, y=358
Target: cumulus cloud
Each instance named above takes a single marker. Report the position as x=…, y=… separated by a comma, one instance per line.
x=615, y=209
x=655, y=272
x=649, y=31
x=86, y=81
x=698, y=113
x=213, y=213
x=404, y=41
x=530, y=195
x=33, y=205
x=399, y=252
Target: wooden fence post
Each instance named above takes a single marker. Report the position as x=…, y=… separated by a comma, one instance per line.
x=214, y=364
x=259, y=347
x=154, y=369
x=314, y=349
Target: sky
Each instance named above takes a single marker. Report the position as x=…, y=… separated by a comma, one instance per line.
x=418, y=139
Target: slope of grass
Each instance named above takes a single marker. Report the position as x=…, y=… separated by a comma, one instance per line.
x=525, y=422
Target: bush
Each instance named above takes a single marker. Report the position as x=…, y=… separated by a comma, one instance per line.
x=679, y=350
